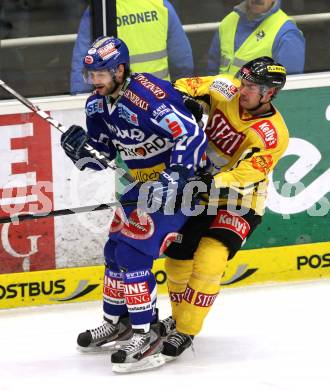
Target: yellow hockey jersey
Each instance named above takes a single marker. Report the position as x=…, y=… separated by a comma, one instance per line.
x=243, y=149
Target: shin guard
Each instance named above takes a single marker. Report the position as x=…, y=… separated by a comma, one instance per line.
x=203, y=285
x=178, y=273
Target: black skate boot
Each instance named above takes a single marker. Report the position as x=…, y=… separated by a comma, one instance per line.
x=166, y=326
x=106, y=333
x=175, y=344
x=141, y=352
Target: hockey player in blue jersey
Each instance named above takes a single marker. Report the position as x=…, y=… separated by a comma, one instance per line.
x=144, y=119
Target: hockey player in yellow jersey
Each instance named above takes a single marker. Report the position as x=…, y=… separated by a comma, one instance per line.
x=247, y=136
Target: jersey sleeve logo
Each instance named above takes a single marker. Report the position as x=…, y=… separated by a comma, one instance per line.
x=93, y=106
x=194, y=83
x=262, y=163
x=267, y=132
x=225, y=87
x=160, y=111
x=128, y=115
x=173, y=125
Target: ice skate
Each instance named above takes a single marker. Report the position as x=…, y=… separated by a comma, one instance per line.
x=166, y=326
x=141, y=352
x=175, y=344
x=93, y=339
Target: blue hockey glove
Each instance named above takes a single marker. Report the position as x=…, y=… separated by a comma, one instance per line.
x=73, y=142
x=168, y=191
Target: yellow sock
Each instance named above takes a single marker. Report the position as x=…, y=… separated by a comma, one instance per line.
x=178, y=273
x=203, y=286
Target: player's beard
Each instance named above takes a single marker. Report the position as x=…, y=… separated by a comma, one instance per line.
x=114, y=87
x=109, y=88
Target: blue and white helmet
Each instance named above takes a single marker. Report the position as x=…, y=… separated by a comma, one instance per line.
x=106, y=53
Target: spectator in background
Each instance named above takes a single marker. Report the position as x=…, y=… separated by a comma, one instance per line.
x=150, y=28
x=256, y=28
x=5, y=25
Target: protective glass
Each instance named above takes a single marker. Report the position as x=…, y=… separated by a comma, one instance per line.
x=98, y=76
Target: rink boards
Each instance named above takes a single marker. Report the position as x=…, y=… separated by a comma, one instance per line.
x=248, y=267
x=66, y=253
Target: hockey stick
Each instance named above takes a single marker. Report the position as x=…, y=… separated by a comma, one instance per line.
x=42, y=114
x=56, y=213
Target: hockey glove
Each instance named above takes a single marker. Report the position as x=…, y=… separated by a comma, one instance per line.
x=73, y=142
x=193, y=106
x=203, y=182
x=203, y=177
x=167, y=192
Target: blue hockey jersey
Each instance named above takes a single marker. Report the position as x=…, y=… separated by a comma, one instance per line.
x=148, y=125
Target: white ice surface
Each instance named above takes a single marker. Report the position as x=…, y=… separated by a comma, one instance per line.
x=257, y=338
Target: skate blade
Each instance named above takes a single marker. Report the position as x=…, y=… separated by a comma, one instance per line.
x=147, y=363
x=169, y=358
x=97, y=350
x=105, y=348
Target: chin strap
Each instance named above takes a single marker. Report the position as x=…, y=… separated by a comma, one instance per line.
x=122, y=90
x=259, y=104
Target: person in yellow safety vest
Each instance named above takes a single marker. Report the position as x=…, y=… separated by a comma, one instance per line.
x=154, y=36
x=256, y=28
x=246, y=138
